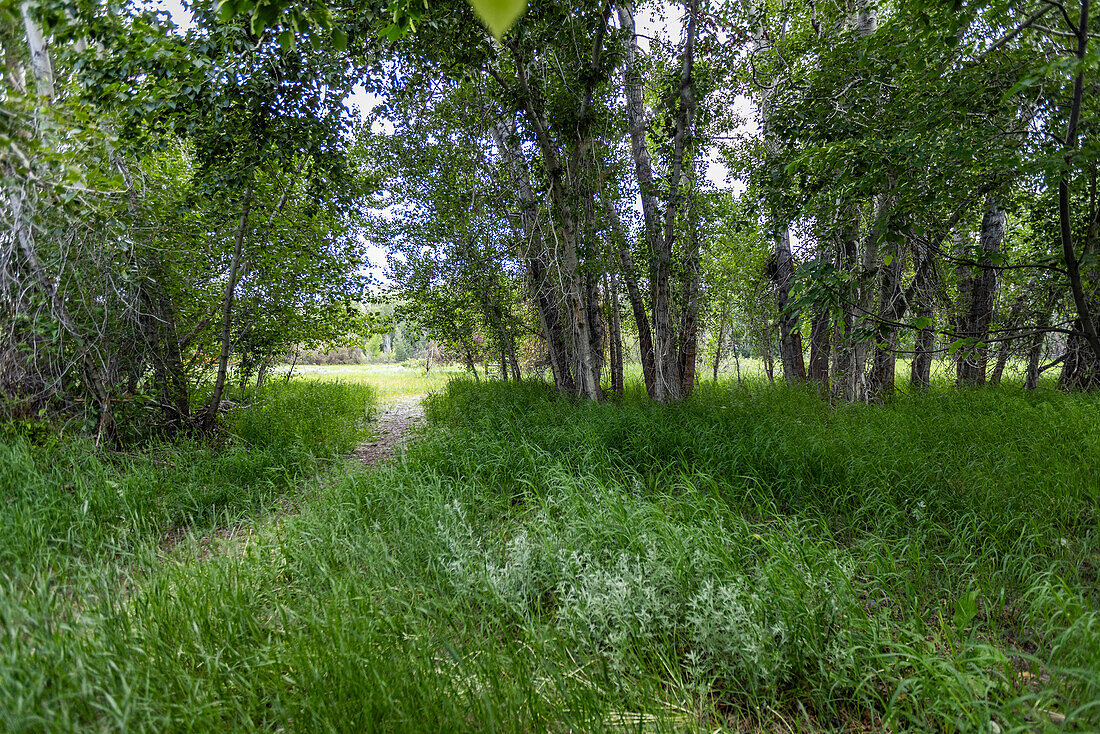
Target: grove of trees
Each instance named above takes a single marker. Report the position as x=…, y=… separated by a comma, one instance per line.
x=914, y=180
x=919, y=183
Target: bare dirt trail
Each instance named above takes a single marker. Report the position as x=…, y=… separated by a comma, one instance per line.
x=391, y=432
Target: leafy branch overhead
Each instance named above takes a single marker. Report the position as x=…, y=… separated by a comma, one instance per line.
x=315, y=19
x=499, y=15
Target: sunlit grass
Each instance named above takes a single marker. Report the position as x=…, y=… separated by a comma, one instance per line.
x=393, y=382
x=403, y=382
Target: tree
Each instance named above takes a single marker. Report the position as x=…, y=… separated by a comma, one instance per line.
x=135, y=186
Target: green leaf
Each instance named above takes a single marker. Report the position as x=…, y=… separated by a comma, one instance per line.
x=498, y=15
x=225, y=10
x=965, y=343
x=889, y=258
x=966, y=608
x=321, y=16
x=339, y=39
x=286, y=39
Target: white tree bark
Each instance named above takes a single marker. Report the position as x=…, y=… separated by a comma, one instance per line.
x=41, y=66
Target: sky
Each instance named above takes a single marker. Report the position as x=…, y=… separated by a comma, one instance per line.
x=180, y=15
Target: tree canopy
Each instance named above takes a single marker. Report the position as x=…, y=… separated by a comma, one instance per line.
x=911, y=180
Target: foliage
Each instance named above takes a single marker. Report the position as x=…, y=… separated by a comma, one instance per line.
x=70, y=509
x=193, y=164
x=749, y=557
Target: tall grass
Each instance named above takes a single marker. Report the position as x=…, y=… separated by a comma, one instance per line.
x=917, y=539
x=84, y=529
x=749, y=558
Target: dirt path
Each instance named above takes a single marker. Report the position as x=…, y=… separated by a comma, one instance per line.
x=391, y=432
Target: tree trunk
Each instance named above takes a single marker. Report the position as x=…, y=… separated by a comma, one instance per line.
x=668, y=382
x=517, y=375
x=552, y=329
x=542, y=292
x=923, y=293
x=615, y=335
x=261, y=374
x=470, y=366
x=978, y=299
x=857, y=298
x=790, y=336
x=689, y=322
x=635, y=115
x=669, y=378
x=718, y=346
x=597, y=332
x=892, y=308
x=572, y=279
x=585, y=372
x=819, y=347
x=641, y=320
x=584, y=362
x=868, y=281
x=736, y=361
x=1035, y=349
x=227, y=311
x=41, y=66
x=495, y=315
x=293, y=364
x=643, y=169
x=168, y=360
x=1015, y=325
x=846, y=375
x=1084, y=345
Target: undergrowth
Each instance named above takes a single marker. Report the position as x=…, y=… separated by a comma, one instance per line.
x=84, y=528
x=751, y=558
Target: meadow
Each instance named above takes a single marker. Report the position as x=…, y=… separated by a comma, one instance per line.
x=753, y=559
x=391, y=382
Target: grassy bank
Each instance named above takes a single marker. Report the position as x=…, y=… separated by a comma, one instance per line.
x=751, y=558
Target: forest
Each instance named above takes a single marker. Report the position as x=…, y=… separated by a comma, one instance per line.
x=734, y=365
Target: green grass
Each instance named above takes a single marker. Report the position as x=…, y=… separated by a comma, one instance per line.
x=85, y=530
x=392, y=382
x=942, y=372
x=751, y=558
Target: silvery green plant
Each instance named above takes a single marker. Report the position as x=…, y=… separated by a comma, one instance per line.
x=620, y=607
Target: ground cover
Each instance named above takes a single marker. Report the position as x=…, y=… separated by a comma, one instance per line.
x=753, y=558
x=392, y=382
x=84, y=529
